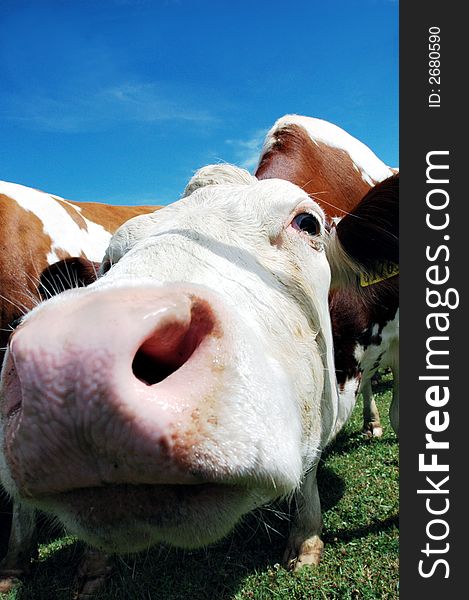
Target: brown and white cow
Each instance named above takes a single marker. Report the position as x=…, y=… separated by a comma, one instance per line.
x=337, y=170
x=37, y=229
x=194, y=380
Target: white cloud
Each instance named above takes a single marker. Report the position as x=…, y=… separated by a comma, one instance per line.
x=247, y=151
x=91, y=110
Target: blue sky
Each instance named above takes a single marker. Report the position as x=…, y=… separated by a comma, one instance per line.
x=121, y=100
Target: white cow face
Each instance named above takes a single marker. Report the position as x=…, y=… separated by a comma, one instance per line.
x=197, y=372
x=260, y=248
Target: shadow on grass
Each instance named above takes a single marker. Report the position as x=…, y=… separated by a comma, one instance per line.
x=348, y=441
x=169, y=574
x=331, y=487
x=349, y=535
x=172, y=574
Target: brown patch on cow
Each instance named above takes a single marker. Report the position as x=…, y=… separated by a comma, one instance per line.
x=72, y=212
x=109, y=216
x=350, y=316
x=23, y=250
x=325, y=173
x=354, y=313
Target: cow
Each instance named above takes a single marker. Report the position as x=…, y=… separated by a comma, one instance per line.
x=194, y=379
x=337, y=170
x=38, y=229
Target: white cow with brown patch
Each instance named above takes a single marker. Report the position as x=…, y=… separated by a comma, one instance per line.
x=37, y=229
x=191, y=383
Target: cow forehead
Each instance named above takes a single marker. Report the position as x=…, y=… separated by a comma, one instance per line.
x=266, y=204
x=264, y=200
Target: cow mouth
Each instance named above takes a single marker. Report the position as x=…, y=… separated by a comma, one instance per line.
x=144, y=500
x=106, y=515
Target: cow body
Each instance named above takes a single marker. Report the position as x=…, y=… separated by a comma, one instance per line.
x=38, y=229
x=191, y=383
x=338, y=170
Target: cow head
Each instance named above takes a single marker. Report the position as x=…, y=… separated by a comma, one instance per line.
x=192, y=382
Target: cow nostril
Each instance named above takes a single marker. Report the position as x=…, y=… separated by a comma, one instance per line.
x=150, y=369
x=171, y=345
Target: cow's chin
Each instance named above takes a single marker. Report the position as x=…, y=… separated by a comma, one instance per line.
x=123, y=519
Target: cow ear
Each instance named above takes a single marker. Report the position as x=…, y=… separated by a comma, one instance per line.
x=364, y=246
x=67, y=274
x=218, y=174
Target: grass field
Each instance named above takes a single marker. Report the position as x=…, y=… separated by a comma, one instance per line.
x=358, y=482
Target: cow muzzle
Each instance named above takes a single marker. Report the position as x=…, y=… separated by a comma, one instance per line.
x=115, y=386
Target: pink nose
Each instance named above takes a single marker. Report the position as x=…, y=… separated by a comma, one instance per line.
x=111, y=386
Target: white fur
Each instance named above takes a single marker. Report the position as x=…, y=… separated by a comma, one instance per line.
x=345, y=271
x=348, y=397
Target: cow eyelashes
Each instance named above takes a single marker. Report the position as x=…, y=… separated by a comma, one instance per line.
x=308, y=223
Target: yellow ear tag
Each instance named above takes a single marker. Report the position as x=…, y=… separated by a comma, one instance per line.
x=384, y=271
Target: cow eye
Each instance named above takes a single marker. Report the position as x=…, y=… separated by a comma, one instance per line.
x=307, y=222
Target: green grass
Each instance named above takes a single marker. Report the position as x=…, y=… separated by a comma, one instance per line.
x=358, y=481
